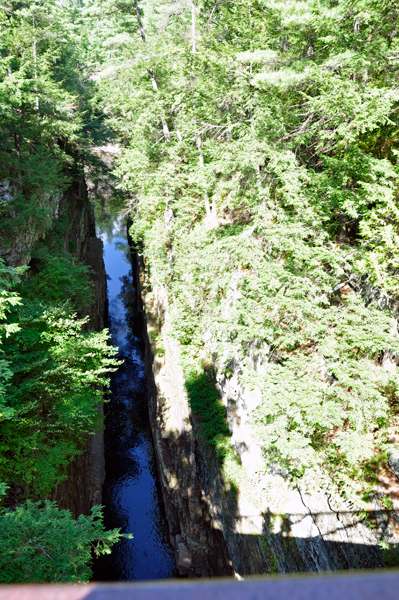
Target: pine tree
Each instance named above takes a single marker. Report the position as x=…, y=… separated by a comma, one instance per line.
x=286, y=114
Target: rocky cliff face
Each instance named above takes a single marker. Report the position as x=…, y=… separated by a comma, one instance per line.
x=198, y=540
x=265, y=524
x=294, y=530
x=82, y=489
x=16, y=249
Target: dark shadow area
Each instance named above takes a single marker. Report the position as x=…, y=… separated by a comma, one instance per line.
x=276, y=549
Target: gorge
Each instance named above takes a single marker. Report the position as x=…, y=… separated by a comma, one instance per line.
x=199, y=241
x=131, y=491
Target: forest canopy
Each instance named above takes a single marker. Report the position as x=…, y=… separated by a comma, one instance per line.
x=260, y=150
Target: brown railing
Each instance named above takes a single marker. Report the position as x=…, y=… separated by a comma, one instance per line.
x=375, y=585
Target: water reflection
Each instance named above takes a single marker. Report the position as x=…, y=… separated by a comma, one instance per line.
x=132, y=495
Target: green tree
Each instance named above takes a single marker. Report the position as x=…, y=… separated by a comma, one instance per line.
x=58, y=376
x=42, y=544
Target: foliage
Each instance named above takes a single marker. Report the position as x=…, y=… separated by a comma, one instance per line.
x=57, y=376
x=8, y=299
x=60, y=278
x=390, y=554
x=205, y=402
x=261, y=164
x=273, y=202
x=48, y=402
x=56, y=275
x=47, y=121
x=53, y=369
x=45, y=544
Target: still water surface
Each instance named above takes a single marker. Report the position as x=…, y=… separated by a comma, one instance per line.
x=131, y=493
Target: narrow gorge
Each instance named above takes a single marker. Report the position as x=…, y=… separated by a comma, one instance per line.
x=199, y=288
x=131, y=496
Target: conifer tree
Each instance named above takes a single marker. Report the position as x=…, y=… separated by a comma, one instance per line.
x=286, y=115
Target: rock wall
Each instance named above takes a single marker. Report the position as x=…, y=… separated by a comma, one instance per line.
x=265, y=525
x=198, y=540
x=86, y=473
x=16, y=249
x=83, y=487
x=293, y=529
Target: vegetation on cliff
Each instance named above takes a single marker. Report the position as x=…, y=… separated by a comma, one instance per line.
x=260, y=154
x=53, y=369
x=52, y=373
x=46, y=119
x=44, y=544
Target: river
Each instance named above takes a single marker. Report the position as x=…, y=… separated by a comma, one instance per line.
x=131, y=493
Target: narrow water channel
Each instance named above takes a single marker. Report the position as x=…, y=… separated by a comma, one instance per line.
x=131, y=494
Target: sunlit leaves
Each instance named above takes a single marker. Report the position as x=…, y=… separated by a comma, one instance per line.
x=295, y=104
x=44, y=544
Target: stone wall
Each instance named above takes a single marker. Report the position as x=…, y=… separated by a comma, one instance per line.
x=294, y=530
x=16, y=249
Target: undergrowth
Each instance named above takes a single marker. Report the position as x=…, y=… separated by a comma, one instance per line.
x=56, y=369
x=205, y=402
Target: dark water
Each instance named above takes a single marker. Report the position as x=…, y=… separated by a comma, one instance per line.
x=131, y=493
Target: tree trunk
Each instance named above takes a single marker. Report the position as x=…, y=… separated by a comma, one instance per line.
x=165, y=127
x=209, y=213
x=139, y=21
x=35, y=65
x=201, y=164
x=193, y=25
